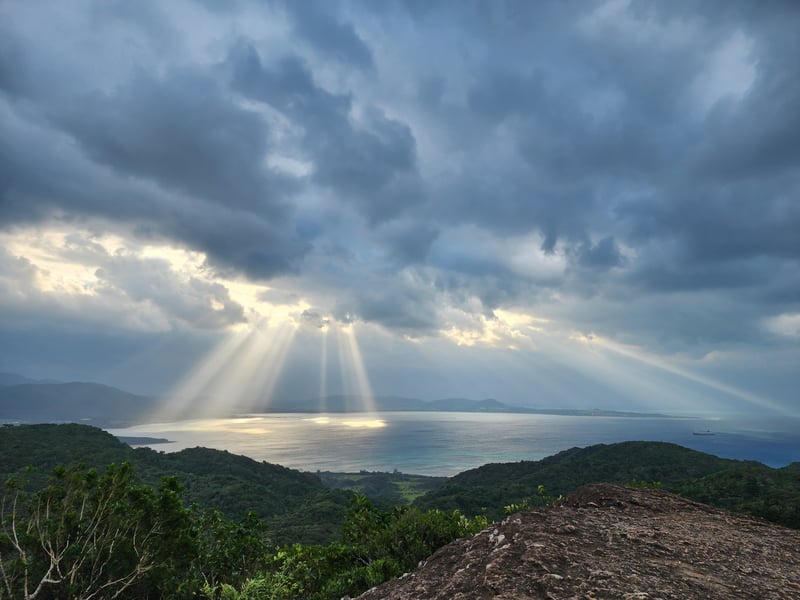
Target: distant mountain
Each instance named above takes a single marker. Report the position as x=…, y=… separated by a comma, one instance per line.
x=16, y=379
x=90, y=403
x=348, y=404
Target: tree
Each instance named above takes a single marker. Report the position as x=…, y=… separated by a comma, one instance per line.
x=85, y=535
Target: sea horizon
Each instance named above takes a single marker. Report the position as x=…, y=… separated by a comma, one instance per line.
x=446, y=443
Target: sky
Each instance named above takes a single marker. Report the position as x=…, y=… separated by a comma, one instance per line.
x=554, y=204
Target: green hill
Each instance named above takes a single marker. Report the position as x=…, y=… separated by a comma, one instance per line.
x=46, y=446
x=490, y=487
x=754, y=489
x=296, y=505
x=299, y=507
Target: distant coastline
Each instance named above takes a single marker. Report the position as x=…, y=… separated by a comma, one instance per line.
x=511, y=410
x=356, y=404
x=37, y=401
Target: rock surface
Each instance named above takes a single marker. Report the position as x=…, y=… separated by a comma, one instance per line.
x=612, y=542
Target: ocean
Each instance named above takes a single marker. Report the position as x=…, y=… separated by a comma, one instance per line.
x=446, y=443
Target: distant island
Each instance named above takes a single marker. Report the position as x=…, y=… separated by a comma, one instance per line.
x=350, y=404
x=25, y=400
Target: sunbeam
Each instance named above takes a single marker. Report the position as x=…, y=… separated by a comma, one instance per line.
x=250, y=382
x=195, y=384
x=238, y=375
x=653, y=361
x=614, y=376
x=323, y=371
x=354, y=375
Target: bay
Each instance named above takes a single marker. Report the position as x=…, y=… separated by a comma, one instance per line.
x=446, y=443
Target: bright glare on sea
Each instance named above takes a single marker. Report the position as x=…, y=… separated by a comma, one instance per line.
x=446, y=443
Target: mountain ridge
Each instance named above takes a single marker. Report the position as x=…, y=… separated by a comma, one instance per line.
x=92, y=403
x=17, y=379
x=106, y=406
x=353, y=403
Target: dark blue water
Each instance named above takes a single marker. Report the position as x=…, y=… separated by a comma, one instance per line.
x=448, y=443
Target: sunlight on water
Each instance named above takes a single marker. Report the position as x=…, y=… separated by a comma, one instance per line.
x=319, y=420
x=447, y=443
x=359, y=422
x=366, y=423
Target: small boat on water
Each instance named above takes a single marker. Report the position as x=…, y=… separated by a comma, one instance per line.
x=706, y=432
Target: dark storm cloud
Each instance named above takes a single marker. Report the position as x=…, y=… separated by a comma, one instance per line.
x=735, y=198
x=180, y=130
x=330, y=37
x=370, y=163
x=400, y=306
x=48, y=177
x=602, y=255
x=239, y=241
x=171, y=153
x=578, y=140
x=407, y=241
x=615, y=149
x=349, y=146
x=13, y=79
x=41, y=172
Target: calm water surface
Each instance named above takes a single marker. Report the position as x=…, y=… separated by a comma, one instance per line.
x=448, y=443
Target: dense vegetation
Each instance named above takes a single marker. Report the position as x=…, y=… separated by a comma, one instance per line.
x=753, y=489
x=296, y=506
x=385, y=488
x=98, y=519
x=90, y=534
x=742, y=486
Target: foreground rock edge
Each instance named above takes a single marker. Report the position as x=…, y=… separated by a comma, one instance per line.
x=610, y=541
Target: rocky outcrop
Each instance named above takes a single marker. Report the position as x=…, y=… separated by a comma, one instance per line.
x=612, y=542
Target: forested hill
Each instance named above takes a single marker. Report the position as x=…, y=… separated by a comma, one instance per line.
x=296, y=505
x=194, y=552
x=743, y=486
x=299, y=507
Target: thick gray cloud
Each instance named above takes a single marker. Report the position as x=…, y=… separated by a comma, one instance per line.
x=182, y=132
x=623, y=167
x=331, y=37
x=370, y=163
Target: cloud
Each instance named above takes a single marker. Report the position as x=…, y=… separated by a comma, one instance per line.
x=330, y=37
x=368, y=159
x=787, y=325
x=314, y=319
x=602, y=255
x=406, y=240
x=180, y=131
x=106, y=281
x=626, y=168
